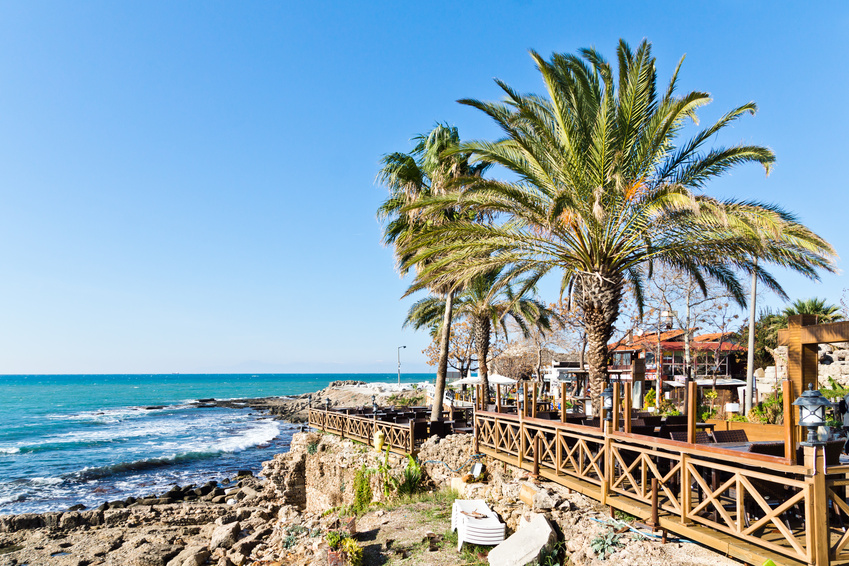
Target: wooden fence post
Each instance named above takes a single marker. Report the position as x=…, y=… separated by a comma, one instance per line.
x=691, y=411
x=789, y=422
x=534, y=401
x=536, y=454
x=521, y=442
x=818, y=517
x=615, y=421
x=607, y=464
x=563, y=402
x=627, y=408
x=412, y=436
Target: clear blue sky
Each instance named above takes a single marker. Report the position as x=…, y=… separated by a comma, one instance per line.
x=189, y=186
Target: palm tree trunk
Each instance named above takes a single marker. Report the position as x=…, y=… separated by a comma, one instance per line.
x=599, y=297
x=442, y=368
x=482, y=332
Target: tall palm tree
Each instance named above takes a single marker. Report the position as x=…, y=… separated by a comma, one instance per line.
x=605, y=190
x=487, y=301
x=816, y=306
x=427, y=171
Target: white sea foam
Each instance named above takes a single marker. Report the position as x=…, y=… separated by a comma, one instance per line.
x=10, y=450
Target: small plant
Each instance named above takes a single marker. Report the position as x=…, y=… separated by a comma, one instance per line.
x=623, y=516
x=353, y=551
x=411, y=479
x=549, y=556
x=289, y=541
x=362, y=491
x=650, y=398
x=312, y=447
x=769, y=411
x=334, y=539
x=606, y=544
x=385, y=471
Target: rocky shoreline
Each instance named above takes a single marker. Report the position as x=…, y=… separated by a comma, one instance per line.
x=344, y=393
x=283, y=516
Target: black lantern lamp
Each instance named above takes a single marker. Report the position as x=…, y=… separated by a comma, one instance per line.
x=607, y=402
x=374, y=403
x=327, y=403
x=309, y=401
x=812, y=406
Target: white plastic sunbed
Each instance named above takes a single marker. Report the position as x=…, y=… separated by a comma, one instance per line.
x=476, y=523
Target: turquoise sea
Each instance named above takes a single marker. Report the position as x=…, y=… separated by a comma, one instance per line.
x=69, y=439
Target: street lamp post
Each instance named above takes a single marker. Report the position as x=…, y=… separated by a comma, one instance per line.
x=399, y=364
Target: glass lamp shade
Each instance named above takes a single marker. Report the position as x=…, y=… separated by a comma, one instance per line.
x=812, y=405
x=327, y=403
x=607, y=398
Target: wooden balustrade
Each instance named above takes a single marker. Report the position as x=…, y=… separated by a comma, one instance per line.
x=752, y=506
x=400, y=438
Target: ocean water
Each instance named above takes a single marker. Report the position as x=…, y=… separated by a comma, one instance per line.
x=69, y=439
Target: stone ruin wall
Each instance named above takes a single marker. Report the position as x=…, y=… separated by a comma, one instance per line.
x=833, y=363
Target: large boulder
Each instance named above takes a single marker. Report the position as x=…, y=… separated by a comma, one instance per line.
x=225, y=536
x=525, y=545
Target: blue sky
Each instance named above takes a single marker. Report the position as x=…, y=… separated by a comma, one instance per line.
x=189, y=186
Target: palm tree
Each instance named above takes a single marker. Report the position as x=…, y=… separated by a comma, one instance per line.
x=815, y=306
x=604, y=190
x=486, y=301
x=428, y=171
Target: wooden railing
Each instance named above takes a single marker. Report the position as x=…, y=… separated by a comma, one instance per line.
x=400, y=438
x=751, y=506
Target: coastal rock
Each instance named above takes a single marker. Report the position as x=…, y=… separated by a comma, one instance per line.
x=225, y=536
x=149, y=554
x=191, y=556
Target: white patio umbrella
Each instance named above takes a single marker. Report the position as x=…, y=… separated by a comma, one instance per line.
x=494, y=379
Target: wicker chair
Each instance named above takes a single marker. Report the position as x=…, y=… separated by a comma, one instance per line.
x=701, y=437
x=644, y=430
x=730, y=436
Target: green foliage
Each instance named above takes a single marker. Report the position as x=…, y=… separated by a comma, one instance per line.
x=362, y=491
x=606, y=544
x=353, y=551
x=551, y=556
x=341, y=541
x=334, y=539
x=769, y=411
x=834, y=389
x=623, y=516
x=668, y=409
x=735, y=418
x=650, y=398
x=401, y=400
x=603, y=163
x=312, y=447
x=411, y=478
x=289, y=541
x=704, y=413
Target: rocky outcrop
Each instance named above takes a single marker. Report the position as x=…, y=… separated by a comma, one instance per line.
x=833, y=363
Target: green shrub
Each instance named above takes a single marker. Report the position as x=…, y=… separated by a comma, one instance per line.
x=334, y=539
x=362, y=491
x=312, y=447
x=605, y=544
x=353, y=550
x=769, y=411
x=411, y=478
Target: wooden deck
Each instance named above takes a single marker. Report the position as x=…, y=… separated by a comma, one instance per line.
x=752, y=507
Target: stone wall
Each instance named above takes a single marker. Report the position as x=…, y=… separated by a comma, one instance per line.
x=833, y=363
